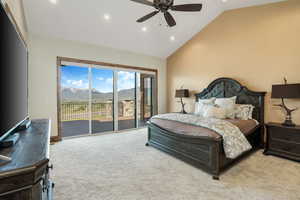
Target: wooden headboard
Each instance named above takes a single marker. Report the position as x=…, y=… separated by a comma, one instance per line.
x=227, y=87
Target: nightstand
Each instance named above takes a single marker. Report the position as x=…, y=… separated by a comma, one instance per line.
x=283, y=141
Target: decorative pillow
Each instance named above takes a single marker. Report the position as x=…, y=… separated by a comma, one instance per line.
x=199, y=106
x=229, y=105
x=214, y=112
x=244, y=111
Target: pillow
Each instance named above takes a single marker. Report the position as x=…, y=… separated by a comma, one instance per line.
x=229, y=105
x=214, y=112
x=201, y=103
x=244, y=111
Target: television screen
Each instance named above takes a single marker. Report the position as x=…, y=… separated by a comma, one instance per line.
x=13, y=76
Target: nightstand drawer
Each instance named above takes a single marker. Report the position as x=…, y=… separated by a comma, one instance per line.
x=287, y=147
x=287, y=134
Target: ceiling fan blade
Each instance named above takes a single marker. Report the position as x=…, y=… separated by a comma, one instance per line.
x=187, y=7
x=142, y=19
x=145, y=2
x=170, y=20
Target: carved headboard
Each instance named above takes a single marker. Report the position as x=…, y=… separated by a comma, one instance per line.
x=227, y=87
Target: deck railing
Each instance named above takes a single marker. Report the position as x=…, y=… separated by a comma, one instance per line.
x=80, y=111
x=103, y=111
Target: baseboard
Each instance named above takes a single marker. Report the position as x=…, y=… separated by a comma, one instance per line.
x=54, y=139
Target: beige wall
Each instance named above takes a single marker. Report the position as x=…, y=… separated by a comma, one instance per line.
x=16, y=7
x=257, y=46
x=42, y=71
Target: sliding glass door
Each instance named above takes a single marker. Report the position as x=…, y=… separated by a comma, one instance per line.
x=74, y=107
x=97, y=99
x=126, y=100
x=102, y=100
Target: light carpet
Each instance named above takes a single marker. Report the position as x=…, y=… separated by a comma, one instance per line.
x=120, y=167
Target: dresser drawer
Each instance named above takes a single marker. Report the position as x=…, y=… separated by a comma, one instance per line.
x=23, y=195
x=15, y=182
x=287, y=147
x=287, y=134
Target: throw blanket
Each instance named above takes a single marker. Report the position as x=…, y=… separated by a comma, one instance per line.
x=234, y=141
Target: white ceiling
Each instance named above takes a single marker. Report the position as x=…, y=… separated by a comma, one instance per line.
x=82, y=20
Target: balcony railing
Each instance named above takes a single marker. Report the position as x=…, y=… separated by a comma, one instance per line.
x=103, y=111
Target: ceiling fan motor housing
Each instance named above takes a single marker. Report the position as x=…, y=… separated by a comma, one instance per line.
x=163, y=5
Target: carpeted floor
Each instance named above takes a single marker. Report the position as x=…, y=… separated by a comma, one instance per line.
x=120, y=167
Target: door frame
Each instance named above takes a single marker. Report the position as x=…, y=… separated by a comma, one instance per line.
x=59, y=62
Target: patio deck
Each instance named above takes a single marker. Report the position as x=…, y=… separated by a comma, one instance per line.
x=81, y=127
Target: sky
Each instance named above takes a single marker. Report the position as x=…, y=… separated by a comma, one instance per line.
x=102, y=79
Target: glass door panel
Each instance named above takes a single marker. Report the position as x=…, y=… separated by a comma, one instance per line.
x=74, y=107
x=126, y=85
x=148, y=98
x=102, y=100
x=138, y=99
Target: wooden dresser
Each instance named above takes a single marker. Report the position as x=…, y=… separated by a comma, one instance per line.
x=26, y=177
x=283, y=141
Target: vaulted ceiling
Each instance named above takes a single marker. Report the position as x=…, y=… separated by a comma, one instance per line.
x=84, y=21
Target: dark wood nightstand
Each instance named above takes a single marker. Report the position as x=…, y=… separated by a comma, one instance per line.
x=283, y=141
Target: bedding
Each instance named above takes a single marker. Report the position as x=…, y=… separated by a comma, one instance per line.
x=228, y=104
x=200, y=106
x=234, y=141
x=245, y=126
x=214, y=112
x=244, y=111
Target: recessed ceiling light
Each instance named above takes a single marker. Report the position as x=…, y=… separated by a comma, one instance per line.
x=144, y=29
x=53, y=1
x=172, y=38
x=107, y=17
x=224, y=1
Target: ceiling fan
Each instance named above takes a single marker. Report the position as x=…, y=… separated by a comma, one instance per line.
x=164, y=6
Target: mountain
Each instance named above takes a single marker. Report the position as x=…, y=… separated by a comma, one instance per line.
x=75, y=94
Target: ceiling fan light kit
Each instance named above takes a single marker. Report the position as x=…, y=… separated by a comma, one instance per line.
x=164, y=6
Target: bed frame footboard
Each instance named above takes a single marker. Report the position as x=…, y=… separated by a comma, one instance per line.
x=202, y=153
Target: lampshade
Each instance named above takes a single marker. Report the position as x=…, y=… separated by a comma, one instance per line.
x=286, y=91
x=182, y=93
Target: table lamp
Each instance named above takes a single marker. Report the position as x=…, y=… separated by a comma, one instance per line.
x=286, y=91
x=182, y=93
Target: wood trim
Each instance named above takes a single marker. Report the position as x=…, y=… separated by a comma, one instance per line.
x=59, y=61
x=105, y=64
x=58, y=77
x=55, y=139
x=14, y=21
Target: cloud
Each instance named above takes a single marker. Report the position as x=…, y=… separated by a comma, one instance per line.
x=126, y=80
x=79, y=83
x=126, y=75
x=109, y=81
x=100, y=78
x=106, y=87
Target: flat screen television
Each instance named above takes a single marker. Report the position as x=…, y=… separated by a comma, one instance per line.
x=13, y=76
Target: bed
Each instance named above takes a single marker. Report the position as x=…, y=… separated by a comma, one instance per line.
x=206, y=152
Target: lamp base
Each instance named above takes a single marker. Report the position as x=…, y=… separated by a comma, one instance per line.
x=183, y=112
x=288, y=123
